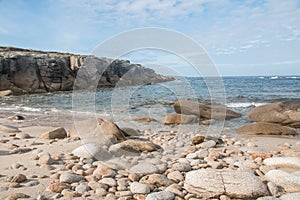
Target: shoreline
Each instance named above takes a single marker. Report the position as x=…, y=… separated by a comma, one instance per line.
x=175, y=140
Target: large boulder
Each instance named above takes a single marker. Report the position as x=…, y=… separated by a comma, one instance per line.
x=176, y=118
x=289, y=181
x=286, y=113
x=218, y=112
x=264, y=128
x=97, y=131
x=211, y=183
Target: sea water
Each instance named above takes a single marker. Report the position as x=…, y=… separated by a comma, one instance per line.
x=241, y=94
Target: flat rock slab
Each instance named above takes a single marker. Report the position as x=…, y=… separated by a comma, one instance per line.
x=210, y=183
x=286, y=162
x=290, y=182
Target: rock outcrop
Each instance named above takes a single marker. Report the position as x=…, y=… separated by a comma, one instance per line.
x=274, y=119
x=286, y=113
x=30, y=71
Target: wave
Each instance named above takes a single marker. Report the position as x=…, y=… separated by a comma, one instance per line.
x=244, y=104
x=274, y=77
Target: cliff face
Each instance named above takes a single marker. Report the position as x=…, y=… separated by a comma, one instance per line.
x=30, y=71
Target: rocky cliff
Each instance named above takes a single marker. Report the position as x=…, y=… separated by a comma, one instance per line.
x=30, y=71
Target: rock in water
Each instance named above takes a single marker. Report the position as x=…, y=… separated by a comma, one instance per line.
x=286, y=113
x=218, y=112
x=176, y=118
x=57, y=133
x=210, y=183
x=264, y=128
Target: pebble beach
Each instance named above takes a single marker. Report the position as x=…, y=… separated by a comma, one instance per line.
x=159, y=162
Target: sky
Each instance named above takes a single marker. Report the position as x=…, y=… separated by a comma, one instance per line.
x=250, y=37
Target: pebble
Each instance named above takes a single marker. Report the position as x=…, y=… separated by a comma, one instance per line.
x=156, y=180
x=101, y=191
x=133, y=177
x=31, y=183
x=144, y=168
x=58, y=187
x=273, y=189
x=175, y=176
x=208, y=144
x=17, y=196
x=139, y=188
x=109, y=181
x=70, y=178
x=175, y=189
x=82, y=187
x=163, y=195
x=23, y=135
x=182, y=167
x=198, y=139
x=45, y=159
x=19, y=178
x=16, y=166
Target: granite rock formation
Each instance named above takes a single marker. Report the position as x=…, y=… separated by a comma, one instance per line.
x=30, y=71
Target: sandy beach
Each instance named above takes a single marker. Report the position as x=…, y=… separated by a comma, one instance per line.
x=157, y=174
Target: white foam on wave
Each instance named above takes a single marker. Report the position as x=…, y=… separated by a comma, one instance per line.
x=292, y=77
x=29, y=109
x=243, y=105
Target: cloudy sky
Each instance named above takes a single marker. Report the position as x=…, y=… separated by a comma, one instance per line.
x=250, y=37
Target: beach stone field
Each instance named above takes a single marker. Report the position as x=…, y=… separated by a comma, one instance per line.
x=172, y=159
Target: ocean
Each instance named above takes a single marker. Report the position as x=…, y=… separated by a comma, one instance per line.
x=121, y=104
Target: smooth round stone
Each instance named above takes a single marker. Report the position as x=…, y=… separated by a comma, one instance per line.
x=165, y=195
x=144, y=168
x=70, y=178
x=208, y=144
x=31, y=183
x=175, y=176
x=139, y=188
x=182, y=167
x=82, y=187
x=109, y=181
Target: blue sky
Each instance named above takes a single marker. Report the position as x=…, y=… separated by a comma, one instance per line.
x=251, y=37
